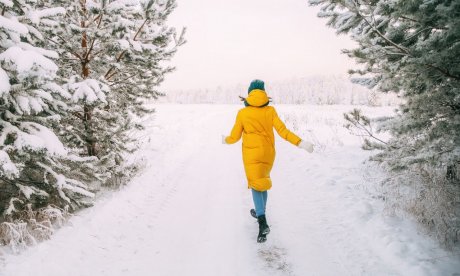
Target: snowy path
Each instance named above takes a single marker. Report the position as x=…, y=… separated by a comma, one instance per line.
x=187, y=214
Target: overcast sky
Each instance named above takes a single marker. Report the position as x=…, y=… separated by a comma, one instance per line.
x=231, y=42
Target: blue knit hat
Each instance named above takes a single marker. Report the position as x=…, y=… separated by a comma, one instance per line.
x=256, y=84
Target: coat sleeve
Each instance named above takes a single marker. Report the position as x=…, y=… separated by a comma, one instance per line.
x=285, y=133
x=237, y=130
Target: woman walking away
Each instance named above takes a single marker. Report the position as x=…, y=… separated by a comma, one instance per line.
x=256, y=122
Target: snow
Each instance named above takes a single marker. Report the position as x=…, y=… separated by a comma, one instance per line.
x=12, y=25
x=63, y=183
x=53, y=87
x=36, y=16
x=30, y=136
x=90, y=4
x=7, y=3
x=11, y=208
x=136, y=45
x=9, y=169
x=124, y=44
x=28, y=104
x=27, y=61
x=187, y=213
x=4, y=82
x=47, y=139
x=119, y=5
x=89, y=90
x=45, y=52
x=27, y=191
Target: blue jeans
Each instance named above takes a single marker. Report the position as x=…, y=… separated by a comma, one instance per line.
x=260, y=201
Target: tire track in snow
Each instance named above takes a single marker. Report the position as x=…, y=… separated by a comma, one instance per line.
x=119, y=222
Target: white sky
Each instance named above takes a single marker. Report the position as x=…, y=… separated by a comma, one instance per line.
x=235, y=41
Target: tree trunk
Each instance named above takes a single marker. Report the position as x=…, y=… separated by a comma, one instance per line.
x=90, y=140
x=88, y=111
x=452, y=172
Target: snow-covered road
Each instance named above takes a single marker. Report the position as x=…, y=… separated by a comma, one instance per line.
x=188, y=212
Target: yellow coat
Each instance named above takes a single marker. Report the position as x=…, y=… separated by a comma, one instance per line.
x=256, y=122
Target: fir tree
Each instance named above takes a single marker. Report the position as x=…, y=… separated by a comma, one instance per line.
x=112, y=57
x=413, y=48
x=410, y=47
x=36, y=168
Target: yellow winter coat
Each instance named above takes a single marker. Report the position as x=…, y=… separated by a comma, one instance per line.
x=256, y=123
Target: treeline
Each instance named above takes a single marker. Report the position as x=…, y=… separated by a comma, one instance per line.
x=317, y=90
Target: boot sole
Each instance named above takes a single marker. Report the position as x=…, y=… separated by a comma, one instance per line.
x=266, y=231
x=261, y=239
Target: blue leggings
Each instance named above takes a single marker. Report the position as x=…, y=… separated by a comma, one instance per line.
x=260, y=201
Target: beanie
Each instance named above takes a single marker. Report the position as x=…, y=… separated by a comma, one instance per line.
x=256, y=84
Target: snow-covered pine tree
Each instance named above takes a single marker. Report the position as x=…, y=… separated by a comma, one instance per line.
x=112, y=58
x=412, y=47
x=36, y=168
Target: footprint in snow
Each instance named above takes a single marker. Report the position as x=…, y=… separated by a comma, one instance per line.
x=275, y=258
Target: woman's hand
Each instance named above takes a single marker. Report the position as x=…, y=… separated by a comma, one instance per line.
x=223, y=139
x=306, y=146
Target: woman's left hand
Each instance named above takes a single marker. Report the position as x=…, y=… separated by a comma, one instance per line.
x=306, y=146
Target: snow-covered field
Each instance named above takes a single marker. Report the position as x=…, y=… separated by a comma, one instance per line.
x=188, y=212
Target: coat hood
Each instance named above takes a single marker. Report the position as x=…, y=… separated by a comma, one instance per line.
x=257, y=98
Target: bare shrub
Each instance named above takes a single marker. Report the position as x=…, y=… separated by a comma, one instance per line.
x=437, y=205
x=430, y=198
x=16, y=235
x=31, y=226
x=428, y=191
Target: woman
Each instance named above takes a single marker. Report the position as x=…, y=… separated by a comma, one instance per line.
x=256, y=122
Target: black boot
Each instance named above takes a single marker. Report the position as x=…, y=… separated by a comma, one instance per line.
x=253, y=213
x=263, y=228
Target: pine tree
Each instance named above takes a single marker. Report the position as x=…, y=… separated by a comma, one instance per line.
x=410, y=47
x=413, y=48
x=112, y=56
x=36, y=168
